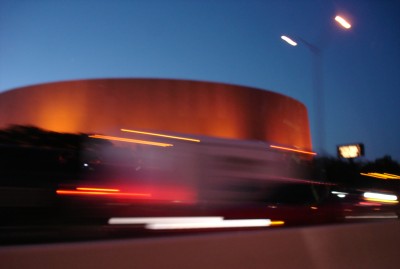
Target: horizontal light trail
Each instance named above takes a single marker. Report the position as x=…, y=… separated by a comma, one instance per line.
x=277, y=222
x=375, y=175
x=381, y=200
x=294, y=150
x=105, y=193
x=371, y=203
x=205, y=225
x=161, y=135
x=392, y=176
x=339, y=192
x=373, y=217
x=172, y=223
x=97, y=189
x=155, y=220
x=380, y=197
x=122, y=139
x=381, y=175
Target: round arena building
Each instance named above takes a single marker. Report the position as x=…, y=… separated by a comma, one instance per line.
x=162, y=105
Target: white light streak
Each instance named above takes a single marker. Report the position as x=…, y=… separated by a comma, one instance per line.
x=343, y=22
x=171, y=223
x=340, y=194
x=289, y=40
x=155, y=220
x=242, y=223
x=380, y=196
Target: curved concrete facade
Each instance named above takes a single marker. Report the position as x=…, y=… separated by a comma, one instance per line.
x=182, y=106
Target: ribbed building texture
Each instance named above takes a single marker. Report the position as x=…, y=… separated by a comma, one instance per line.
x=163, y=105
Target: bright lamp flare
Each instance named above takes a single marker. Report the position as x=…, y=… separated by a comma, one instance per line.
x=343, y=22
x=289, y=40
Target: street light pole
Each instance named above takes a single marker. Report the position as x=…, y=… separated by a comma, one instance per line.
x=318, y=87
x=318, y=96
x=319, y=101
x=318, y=92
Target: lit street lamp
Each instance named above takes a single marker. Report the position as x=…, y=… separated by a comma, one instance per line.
x=289, y=40
x=343, y=22
x=318, y=90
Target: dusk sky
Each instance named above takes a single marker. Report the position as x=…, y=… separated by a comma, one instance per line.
x=228, y=41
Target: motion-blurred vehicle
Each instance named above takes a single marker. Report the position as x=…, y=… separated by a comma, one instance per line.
x=94, y=178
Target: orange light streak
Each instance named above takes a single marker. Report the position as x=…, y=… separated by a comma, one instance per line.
x=381, y=176
x=83, y=192
x=393, y=176
x=161, y=135
x=97, y=189
x=122, y=139
x=277, y=222
x=375, y=175
x=294, y=150
x=78, y=192
x=381, y=200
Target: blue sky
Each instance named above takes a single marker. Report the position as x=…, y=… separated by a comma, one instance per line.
x=236, y=42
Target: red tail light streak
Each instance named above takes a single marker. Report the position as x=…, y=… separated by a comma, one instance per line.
x=294, y=150
x=122, y=139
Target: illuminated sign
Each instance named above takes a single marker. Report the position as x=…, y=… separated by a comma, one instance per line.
x=350, y=151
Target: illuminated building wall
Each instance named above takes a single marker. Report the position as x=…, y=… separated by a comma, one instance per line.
x=189, y=107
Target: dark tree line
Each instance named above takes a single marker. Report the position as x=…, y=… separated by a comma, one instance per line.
x=349, y=172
